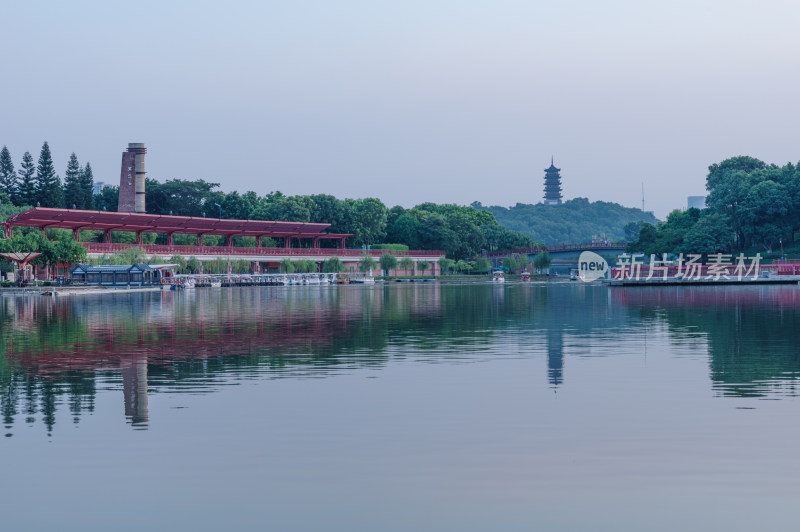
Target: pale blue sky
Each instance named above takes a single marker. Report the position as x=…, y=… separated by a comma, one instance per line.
x=412, y=101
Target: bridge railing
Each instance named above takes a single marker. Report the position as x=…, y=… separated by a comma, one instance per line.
x=167, y=251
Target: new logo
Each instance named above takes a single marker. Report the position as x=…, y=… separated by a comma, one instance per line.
x=591, y=266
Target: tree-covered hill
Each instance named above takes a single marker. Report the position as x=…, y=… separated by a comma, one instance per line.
x=573, y=222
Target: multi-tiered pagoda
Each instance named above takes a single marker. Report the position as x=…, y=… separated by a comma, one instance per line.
x=552, y=185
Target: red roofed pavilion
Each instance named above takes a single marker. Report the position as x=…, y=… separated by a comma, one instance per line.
x=139, y=223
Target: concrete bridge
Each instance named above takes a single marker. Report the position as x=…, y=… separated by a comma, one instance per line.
x=564, y=256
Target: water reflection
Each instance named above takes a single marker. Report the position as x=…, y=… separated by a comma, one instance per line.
x=60, y=353
x=752, y=332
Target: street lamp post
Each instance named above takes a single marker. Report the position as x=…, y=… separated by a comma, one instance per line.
x=220, y=210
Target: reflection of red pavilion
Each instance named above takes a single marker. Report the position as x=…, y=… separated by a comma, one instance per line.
x=143, y=339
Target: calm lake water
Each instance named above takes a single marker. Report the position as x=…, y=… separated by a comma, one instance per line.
x=430, y=406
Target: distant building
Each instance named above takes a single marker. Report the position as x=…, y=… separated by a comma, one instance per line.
x=696, y=202
x=552, y=185
x=99, y=186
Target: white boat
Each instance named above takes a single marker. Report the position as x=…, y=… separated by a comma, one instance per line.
x=216, y=283
x=497, y=277
x=311, y=279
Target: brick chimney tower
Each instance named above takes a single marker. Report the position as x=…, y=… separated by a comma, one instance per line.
x=131, y=179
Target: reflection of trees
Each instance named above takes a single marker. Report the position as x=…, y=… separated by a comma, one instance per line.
x=59, y=351
x=752, y=332
x=55, y=350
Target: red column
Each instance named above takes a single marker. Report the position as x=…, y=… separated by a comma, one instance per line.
x=107, y=238
x=286, y=241
x=258, y=242
x=316, y=243
x=76, y=235
x=341, y=245
x=170, y=240
x=200, y=240
x=7, y=230
x=139, y=239
x=229, y=241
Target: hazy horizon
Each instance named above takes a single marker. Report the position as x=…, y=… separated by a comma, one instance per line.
x=426, y=101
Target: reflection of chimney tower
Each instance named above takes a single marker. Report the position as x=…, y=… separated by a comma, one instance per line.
x=134, y=390
x=131, y=179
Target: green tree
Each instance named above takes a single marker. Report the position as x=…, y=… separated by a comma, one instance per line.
x=467, y=238
x=333, y=265
x=510, y=264
x=48, y=185
x=728, y=183
x=8, y=176
x=405, y=228
x=542, y=261
x=370, y=219
x=388, y=262
x=26, y=187
x=287, y=266
x=67, y=251
x=193, y=265
x=482, y=265
x=631, y=230
x=446, y=265
x=305, y=266
x=764, y=213
x=73, y=197
x=647, y=238
x=239, y=207
x=435, y=233
x=87, y=187
x=423, y=265
x=241, y=266
x=131, y=255
x=108, y=200
x=711, y=234
x=180, y=197
x=407, y=263
x=182, y=263
x=367, y=263
x=328, y=209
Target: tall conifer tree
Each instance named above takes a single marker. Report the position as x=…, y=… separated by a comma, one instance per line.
x=26, y=186
x=8, y=177
x=48, y=185
x=87, y=187
x=72, y=184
